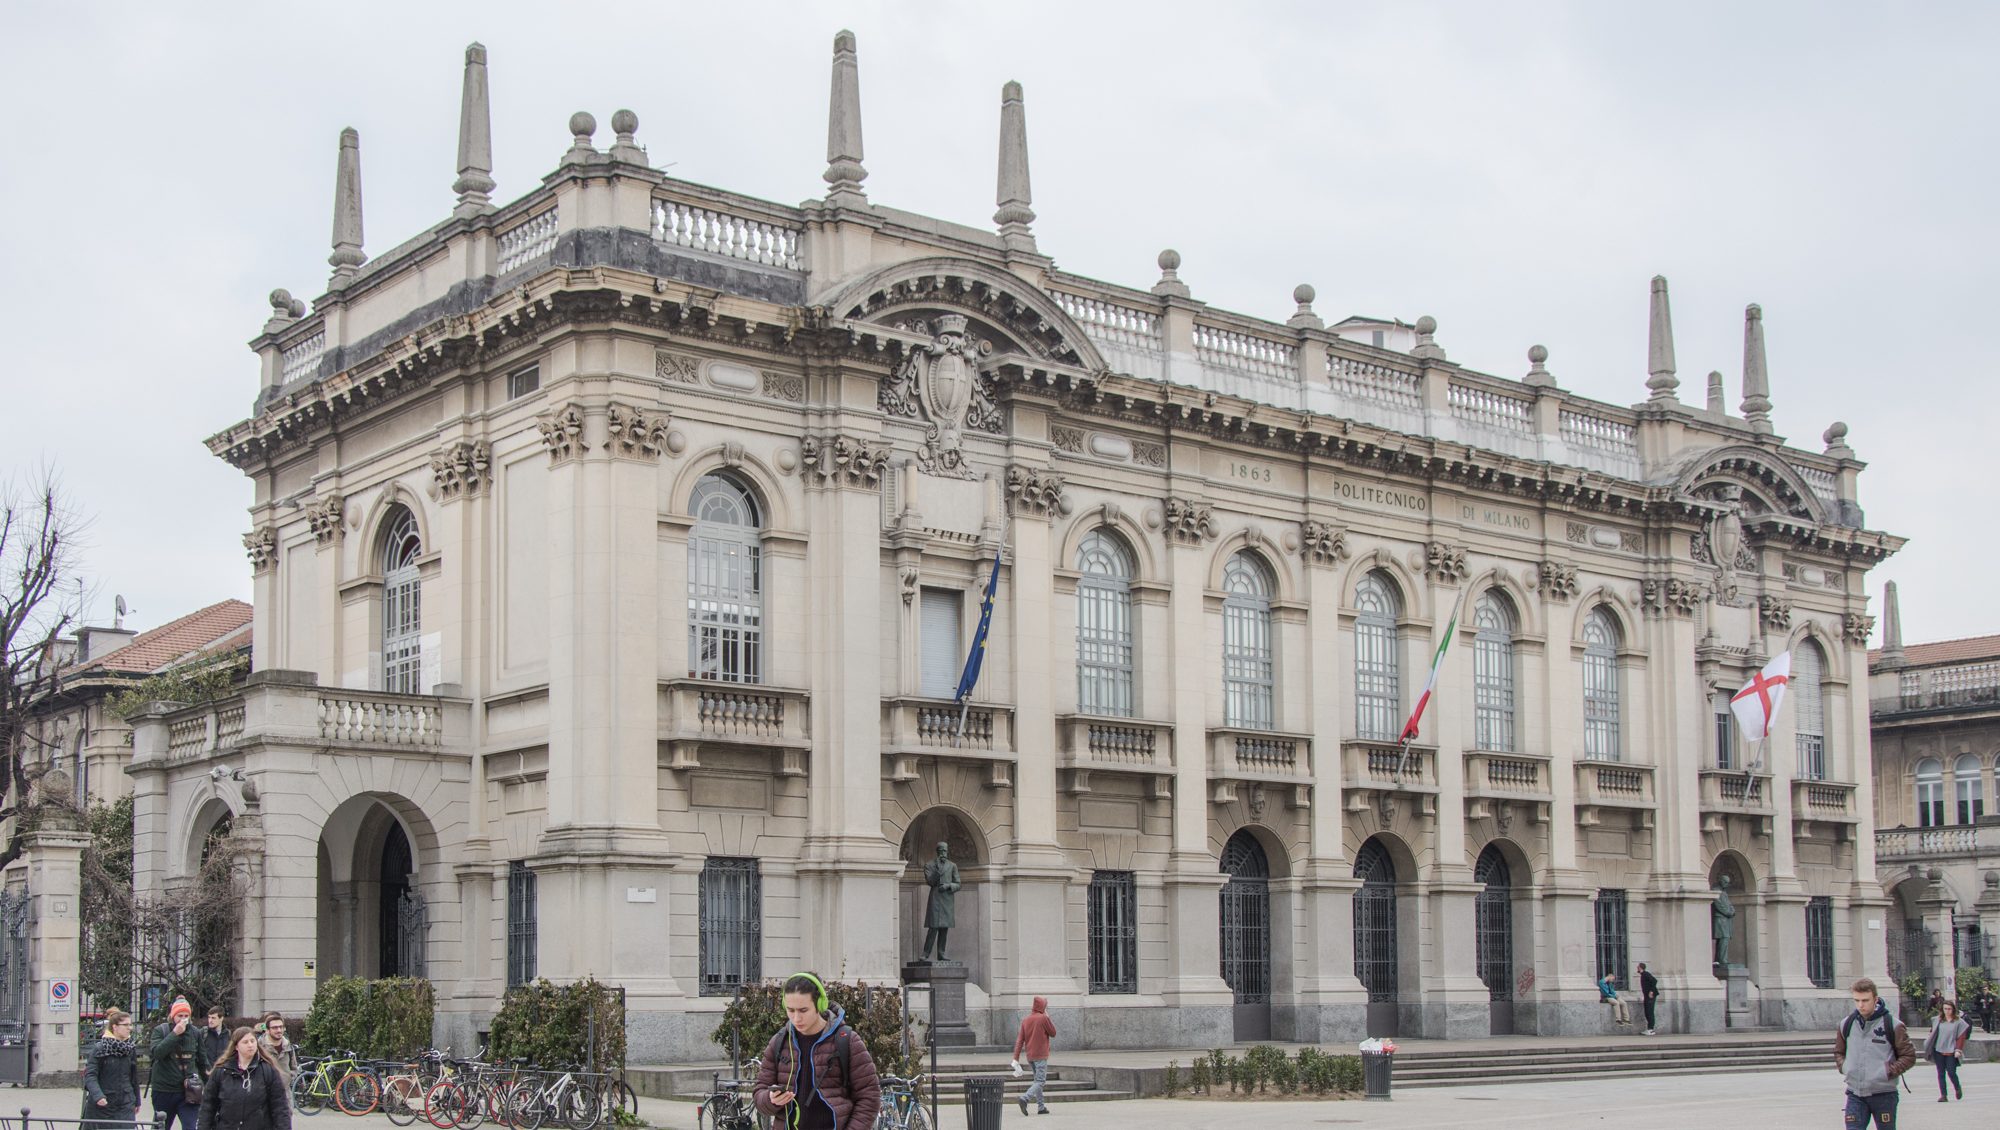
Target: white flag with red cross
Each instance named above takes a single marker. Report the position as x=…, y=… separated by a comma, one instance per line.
x=1757, y=703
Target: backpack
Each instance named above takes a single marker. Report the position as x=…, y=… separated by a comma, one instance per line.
x=1888, y=1021
x=842, y=1054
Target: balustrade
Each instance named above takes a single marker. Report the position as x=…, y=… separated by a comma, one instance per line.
x=1904, y=844
x=698, y=712
x=1483, y=407
x=407, y=721
x=1116, y=745
x=722, y=233
x=1244, y=352
x=301, y=358
x=527, y=242
x=914, y=728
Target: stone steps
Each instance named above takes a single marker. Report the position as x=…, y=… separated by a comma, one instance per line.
x=1444, y=1069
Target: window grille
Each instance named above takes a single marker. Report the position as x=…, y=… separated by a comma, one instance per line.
x=402, y=607
x=1375, y=922
x=1246, y=920
x=1114, y=932
x=941, y=658
x=1493, y=674
x=1809, y=721
x=1819, y=941
x=1970, y=790
x=1493, y=924
x=1614, y=949
x=1104, y=673
x=725, y=584
x=1248, y=672
x=523, y=924
x=1603, y=715
x=732, y=939
x=1377, y=669
x=1930, y=793
x=521, y=382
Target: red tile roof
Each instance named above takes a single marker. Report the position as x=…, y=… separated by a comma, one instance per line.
x=161, y=647
x=1968, y=650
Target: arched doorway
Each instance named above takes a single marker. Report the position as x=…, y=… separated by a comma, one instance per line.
x=966, y=943
x=1375, y=935
x=1246, y=933
x=373, y=918
x=1493, y=936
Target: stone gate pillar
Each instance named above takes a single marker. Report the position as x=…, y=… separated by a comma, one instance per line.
x=55, y=886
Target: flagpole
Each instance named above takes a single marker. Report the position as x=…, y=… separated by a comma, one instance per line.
x=964, y=705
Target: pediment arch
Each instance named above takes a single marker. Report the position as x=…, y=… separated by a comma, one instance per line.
x=1016, y=311
x=1769, y=484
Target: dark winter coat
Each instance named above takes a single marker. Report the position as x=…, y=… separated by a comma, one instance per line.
x=112, y=1074
x=213, y=1043
x=175, y=1057
x=236, y=1099
x=855, y=1101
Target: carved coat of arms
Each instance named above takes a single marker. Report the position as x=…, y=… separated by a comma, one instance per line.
x=941, y=381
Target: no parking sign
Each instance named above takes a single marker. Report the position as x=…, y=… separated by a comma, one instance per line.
x=61, y=993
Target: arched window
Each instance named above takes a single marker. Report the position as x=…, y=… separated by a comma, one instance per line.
x=1493, y=673
x=1930, y=793
x=402, y=605
x=1104, y=625
x=1810, y=721
x=725, y=583
x=1603, y=716
x=1970, y=791
x=1247, y=669
x=1378, y=692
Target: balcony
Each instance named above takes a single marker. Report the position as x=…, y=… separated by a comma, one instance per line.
x=1826, y=802
x=1614, y=784
x=929, y=727
x=1497, y=778
x=1382, y=772
x=289, y=708
x=1259, y=758
x=1093, y=744
x=1953, y=841
x=1732, y=792
x=696, y=714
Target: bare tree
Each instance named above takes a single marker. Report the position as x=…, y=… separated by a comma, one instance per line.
x=184, y=940
x=40, y=600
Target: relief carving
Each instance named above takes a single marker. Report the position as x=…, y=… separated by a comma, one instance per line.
x=1556, y=581
x=676, y=367
x=1857, y=627
x=1775, y=612
x=461, y=469
x=562, y=432
x=1322, y=543
x=635, y=432
x=1069, y=441
x=939, y=383
x=838, y=460
x=1189, y=522
x=785, y=386
x=1149, y=454
x=1033, y=491
x=325, y=516
x=1445, y=564
x=1677, y=596
x=262, y=546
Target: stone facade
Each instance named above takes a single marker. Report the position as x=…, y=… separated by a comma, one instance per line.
x=610, y=540
x=1935, y=710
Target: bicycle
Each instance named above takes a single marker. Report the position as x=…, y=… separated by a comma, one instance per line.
x=728, y=1106
x=405, y=1086
x=568, y=1101
x=902, y=1105
x=619, y=1098
x=335, y=1077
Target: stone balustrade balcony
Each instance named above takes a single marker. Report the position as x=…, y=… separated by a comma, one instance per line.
x=1826, y=802
x=290, y=708
x=1493, y=778
x=698, y=714
x=1259, y=758
x=1089, y=743
x=1732, y=792
x=1604, y=785
x=914, y=728
x=1382, y=773
x=1952, y=841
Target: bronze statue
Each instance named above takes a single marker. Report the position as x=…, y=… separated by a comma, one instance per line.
x=942, y=876
x=1722, y=921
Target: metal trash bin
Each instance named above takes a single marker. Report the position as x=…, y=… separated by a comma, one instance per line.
x=1376, y=1069
x=983, y=1100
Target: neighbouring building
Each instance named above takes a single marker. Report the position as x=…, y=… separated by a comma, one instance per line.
x=1935, y=712
x=617, y=548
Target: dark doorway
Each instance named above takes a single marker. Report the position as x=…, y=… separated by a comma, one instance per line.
x=1246, y=934
x=1493, y=936
x=395, y=878
x=1375, y=936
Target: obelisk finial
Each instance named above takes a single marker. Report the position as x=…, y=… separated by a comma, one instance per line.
x=1013, y=194
x=1892, y=626
x=844, y=172
x=1660, y=346
x=475, y=139
x=1756, y=375
x=347, y=254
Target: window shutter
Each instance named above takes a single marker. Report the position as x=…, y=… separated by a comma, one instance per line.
x=942, y=657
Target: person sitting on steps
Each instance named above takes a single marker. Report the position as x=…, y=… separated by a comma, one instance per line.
x=1608, y=993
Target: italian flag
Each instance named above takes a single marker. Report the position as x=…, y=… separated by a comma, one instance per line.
x=1437, y=661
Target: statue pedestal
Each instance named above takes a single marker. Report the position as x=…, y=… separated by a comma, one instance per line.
x=947, y=984
x=1736, y=997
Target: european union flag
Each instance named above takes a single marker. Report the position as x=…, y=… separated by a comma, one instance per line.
x=967, y=680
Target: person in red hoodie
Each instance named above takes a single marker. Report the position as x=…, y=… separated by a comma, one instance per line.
x=1033, y=1045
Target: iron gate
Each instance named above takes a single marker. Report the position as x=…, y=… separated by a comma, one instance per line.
x=1493, y=937
x=15, y=1053
x=1909, y=950
x=1375, y=935
x=1246, y=934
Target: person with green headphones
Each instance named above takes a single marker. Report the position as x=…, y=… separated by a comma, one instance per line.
x=817, y=1073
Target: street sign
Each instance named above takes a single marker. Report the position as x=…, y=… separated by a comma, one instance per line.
x=61, y=994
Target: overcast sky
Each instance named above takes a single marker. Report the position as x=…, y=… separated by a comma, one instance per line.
x=1518, y=171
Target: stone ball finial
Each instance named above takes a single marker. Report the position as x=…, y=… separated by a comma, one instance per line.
x=624, y=123
x=1537, y=354
x=281, y=301
x=1935, y=874
x=1993, y=878
x=583, y=125
x=1170, y=260
x=1427, y=325
x=1835, y=434
x=1303, y=294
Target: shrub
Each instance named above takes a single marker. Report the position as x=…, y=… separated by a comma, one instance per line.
x=550, y=1024
x=383, y=1019
x=875, y=1014
x=1285, y=1074
x=1916, y=993
x=1171, y=1084
x=1972, y=980
x=1345, y=1072
x=1199, y=1080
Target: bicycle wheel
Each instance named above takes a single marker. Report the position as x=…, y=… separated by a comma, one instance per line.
x=444, y=1104
x=472, y=1106
x=583, y=1107
x=358, y=1094
x=398, y=1105
x=525, y=1108
x=917, y=1117
x=721, y=1112
x=307, y=1098
x=620, y=1099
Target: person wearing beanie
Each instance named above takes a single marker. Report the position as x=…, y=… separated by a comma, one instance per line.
x=176, y=1078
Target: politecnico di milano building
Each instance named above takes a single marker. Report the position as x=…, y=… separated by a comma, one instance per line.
x=617, y=549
